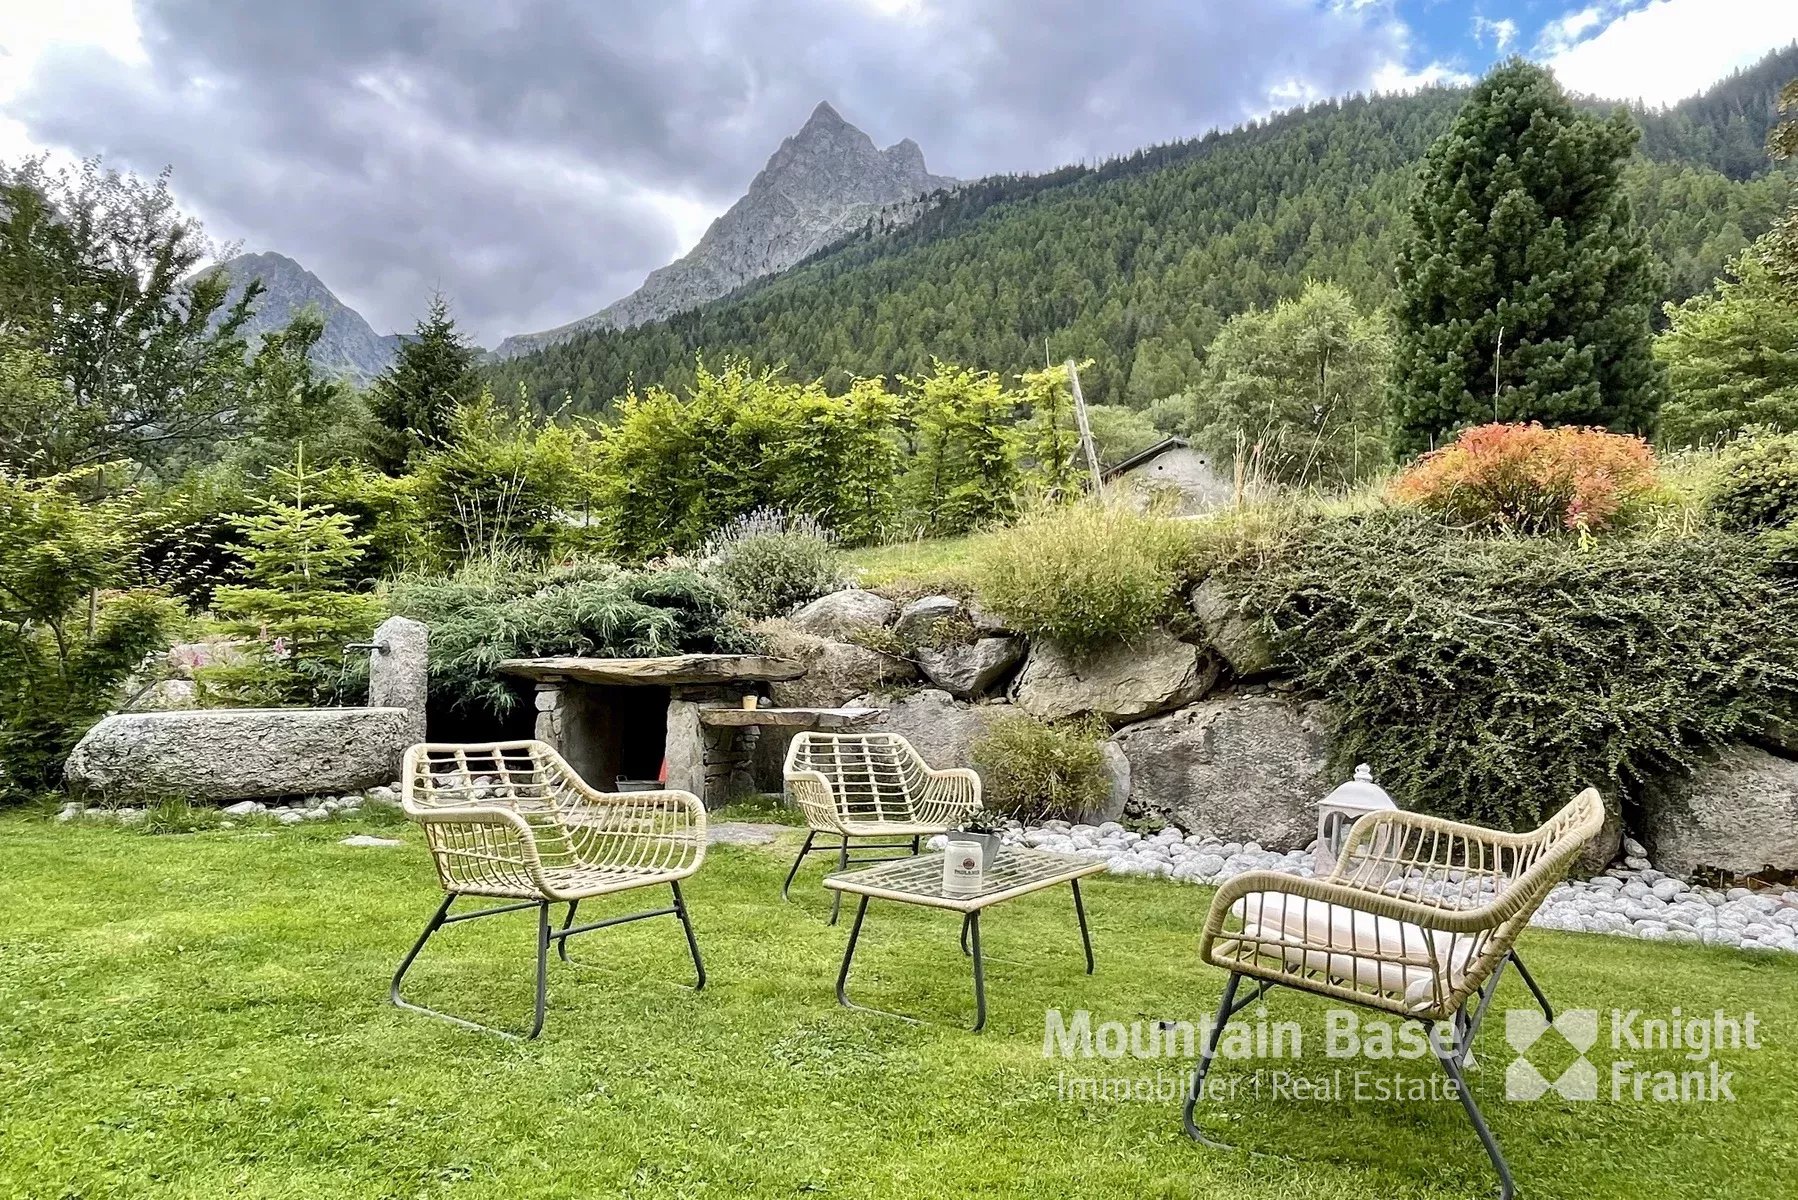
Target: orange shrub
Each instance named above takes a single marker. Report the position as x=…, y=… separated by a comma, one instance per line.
x=1531, y=479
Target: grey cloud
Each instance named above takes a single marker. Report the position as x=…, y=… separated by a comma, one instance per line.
x=511, y=152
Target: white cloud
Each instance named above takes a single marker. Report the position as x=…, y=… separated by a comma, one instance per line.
x=1396, y=77
x=1500, y=33
x=29, y=28
x=1565, y=31
x=1672, y=49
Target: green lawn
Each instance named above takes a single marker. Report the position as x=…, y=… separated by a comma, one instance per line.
x=206, y=1015
x=922, y=563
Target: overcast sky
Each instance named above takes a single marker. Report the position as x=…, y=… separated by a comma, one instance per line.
x=534, y=159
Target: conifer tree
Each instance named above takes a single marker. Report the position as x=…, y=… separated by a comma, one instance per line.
x=1525, y=290
x=413, y=400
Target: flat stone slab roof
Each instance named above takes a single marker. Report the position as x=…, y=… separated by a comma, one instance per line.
x=656, y=672
x=794, y=718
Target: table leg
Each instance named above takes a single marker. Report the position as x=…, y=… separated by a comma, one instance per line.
x=970, y=930
x=1086, y=940
x=973, y=927
x=855, y=932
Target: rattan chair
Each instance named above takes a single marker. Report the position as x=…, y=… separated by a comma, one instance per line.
x=1419, y=919
x=512, y=821
x=871, y=786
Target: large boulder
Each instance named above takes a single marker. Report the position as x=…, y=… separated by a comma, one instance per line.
x=1736, y=815
x=986, y=622
x=1247, y=767
x=1232, y=632
x=1780, y=736
x=1119, y=684
x=918, y=621
x=940, y=727
x=834, y=671
x=240, y=753
x=1117, y=772
x=840, y=614
x=969, y=671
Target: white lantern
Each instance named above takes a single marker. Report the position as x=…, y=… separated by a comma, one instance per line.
x=1338, y=812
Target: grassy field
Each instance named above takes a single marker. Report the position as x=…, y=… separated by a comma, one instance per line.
x=206, y=1015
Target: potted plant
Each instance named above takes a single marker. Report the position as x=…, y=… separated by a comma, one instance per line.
x=983, y=826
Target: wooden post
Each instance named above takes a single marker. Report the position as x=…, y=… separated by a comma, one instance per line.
x=1086, y=433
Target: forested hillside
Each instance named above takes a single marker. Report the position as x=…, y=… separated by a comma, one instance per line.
x=1135, y=264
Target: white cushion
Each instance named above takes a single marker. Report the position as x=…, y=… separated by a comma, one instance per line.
x=1362, y=948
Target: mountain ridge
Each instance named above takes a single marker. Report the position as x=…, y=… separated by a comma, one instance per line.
x=349, y=345
x=823, y=182
x=1137, y=262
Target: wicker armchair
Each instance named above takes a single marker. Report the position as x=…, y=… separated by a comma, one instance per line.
x=1419, y=919
x=871, y=785
x=512, y=820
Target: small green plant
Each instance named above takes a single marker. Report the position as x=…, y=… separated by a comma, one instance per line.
x=983, y=820
x=1087, y=574
x=1032, y=770
x=297, y=607
x=1757, y=485
x=771, y=562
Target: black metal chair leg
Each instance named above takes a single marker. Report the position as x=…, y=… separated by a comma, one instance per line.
x=1086, y=940
x=438, y=920
x=432, y=926
x=914, y=845
x=562, y=942
x=686, y=921
x=1452, y=1065
x=836, y=897
x=792, y=874
x=542, y=970
x=1529, y=981
x=1224, y=1008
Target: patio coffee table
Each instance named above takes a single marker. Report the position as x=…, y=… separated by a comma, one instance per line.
x=1016, y=872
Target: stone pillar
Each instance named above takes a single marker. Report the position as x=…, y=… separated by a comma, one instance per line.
x=713, y=762
x=549, y=715
x=685, y=744
x=399, y=672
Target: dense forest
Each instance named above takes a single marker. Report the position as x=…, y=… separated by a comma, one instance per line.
x=1136, y=264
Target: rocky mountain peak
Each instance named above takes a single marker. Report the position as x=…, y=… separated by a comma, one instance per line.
x=348, y=347
x=825, y=181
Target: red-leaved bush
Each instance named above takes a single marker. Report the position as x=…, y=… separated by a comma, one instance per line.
x=1530, y=479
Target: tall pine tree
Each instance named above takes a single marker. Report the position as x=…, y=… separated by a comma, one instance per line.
x=413, y=400
x=1525, y=290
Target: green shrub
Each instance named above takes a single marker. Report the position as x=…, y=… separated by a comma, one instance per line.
x=68, y=639
x=1757, y=487
x=494, y=610
x=1491, y=679
x=506, y=479
x=672, y=469
x=771, y=562
x=298, y=608
x=1088, y=574
x=188, y=538
x=1033, y=771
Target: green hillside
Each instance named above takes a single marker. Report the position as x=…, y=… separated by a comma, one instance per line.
x=1136, y=263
